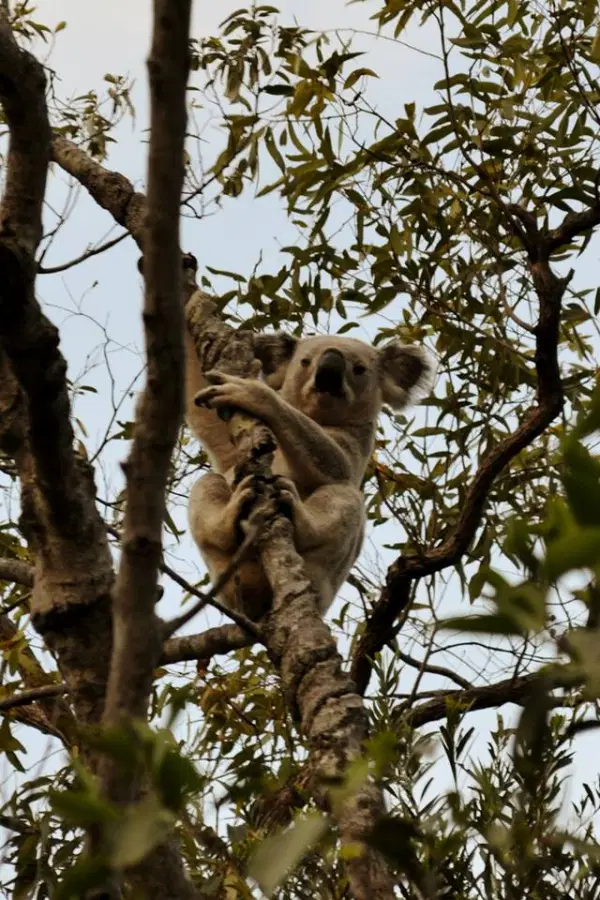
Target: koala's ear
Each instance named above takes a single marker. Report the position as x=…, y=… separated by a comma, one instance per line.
x=274, y=352
x=407, y=374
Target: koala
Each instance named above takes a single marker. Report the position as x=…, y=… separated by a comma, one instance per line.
x=321, y=397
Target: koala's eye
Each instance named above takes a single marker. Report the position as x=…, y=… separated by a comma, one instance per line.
x=305, y=361
x=359, y=369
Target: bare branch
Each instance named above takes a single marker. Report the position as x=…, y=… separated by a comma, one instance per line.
x=87, y=254
x=16, y=570
x=137, y=631
x=213, y=642
x=33, y=695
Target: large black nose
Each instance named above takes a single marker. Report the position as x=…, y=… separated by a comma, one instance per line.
x=329, y=377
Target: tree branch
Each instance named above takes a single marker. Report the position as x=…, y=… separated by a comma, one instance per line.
x=137, y=632
x=17, y=571
x=316, y=688
x=112, y=191
x=209, y=643
x=73, y=568
x=571, y=226
x=407, y=570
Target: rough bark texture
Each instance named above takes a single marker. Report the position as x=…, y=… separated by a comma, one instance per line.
x=73, y=569
x=318, y=691
x=137, y=632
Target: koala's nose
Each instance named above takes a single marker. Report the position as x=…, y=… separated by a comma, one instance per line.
x=329, y=377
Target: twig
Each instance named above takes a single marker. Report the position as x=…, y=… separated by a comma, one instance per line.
x=87, y=254
x=33, y=695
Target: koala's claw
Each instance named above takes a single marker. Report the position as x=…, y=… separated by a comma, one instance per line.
x=287, y=495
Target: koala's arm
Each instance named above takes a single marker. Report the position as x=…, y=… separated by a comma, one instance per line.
x=314, y=458
x=206, y=425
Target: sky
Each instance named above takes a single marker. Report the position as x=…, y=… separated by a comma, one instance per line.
x=103, y=296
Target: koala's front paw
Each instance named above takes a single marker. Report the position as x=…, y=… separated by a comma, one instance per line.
x=249, y=395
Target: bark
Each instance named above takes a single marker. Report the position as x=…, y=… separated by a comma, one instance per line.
x=137, y=632
x=320, y=694
x=73, y=569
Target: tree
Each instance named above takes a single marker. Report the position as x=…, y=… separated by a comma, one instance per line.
x=466, y=225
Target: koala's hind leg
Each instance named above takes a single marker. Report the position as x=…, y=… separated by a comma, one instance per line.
x=328, y=533
x=215, y=513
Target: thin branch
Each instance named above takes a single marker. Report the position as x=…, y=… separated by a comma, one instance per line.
x=430, y=669
x=209, y=643
x=33, y=695
x=210, y=597
x=395, y=595
x=87, y=254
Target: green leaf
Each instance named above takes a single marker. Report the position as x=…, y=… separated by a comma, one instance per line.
x=280, y=854
x=143, y=827
x=579, y=549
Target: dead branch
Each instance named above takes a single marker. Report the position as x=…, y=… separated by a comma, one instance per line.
x=407, y=570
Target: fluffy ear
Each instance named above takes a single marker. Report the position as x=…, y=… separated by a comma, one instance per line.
x=407, y=374
x=274, y=352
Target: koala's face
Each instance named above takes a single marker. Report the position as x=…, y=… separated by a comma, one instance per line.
x=333, y=380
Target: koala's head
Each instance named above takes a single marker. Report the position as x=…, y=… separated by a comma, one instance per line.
x=339, y=380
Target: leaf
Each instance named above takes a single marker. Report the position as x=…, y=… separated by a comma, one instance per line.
x=87, y=873
x=356, y=75
x=280, y=854
x=143, y=827
x=579, y=549
x=492, y=623
x=82, y=808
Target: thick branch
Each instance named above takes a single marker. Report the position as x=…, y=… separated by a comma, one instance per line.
x=572, y=225
x=489, y=696
x=73, y=569
x=137, y=633
x=317, y=690
x=112, y=191
x=407, y=570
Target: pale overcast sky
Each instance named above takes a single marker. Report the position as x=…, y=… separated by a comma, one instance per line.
x=113, y=36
